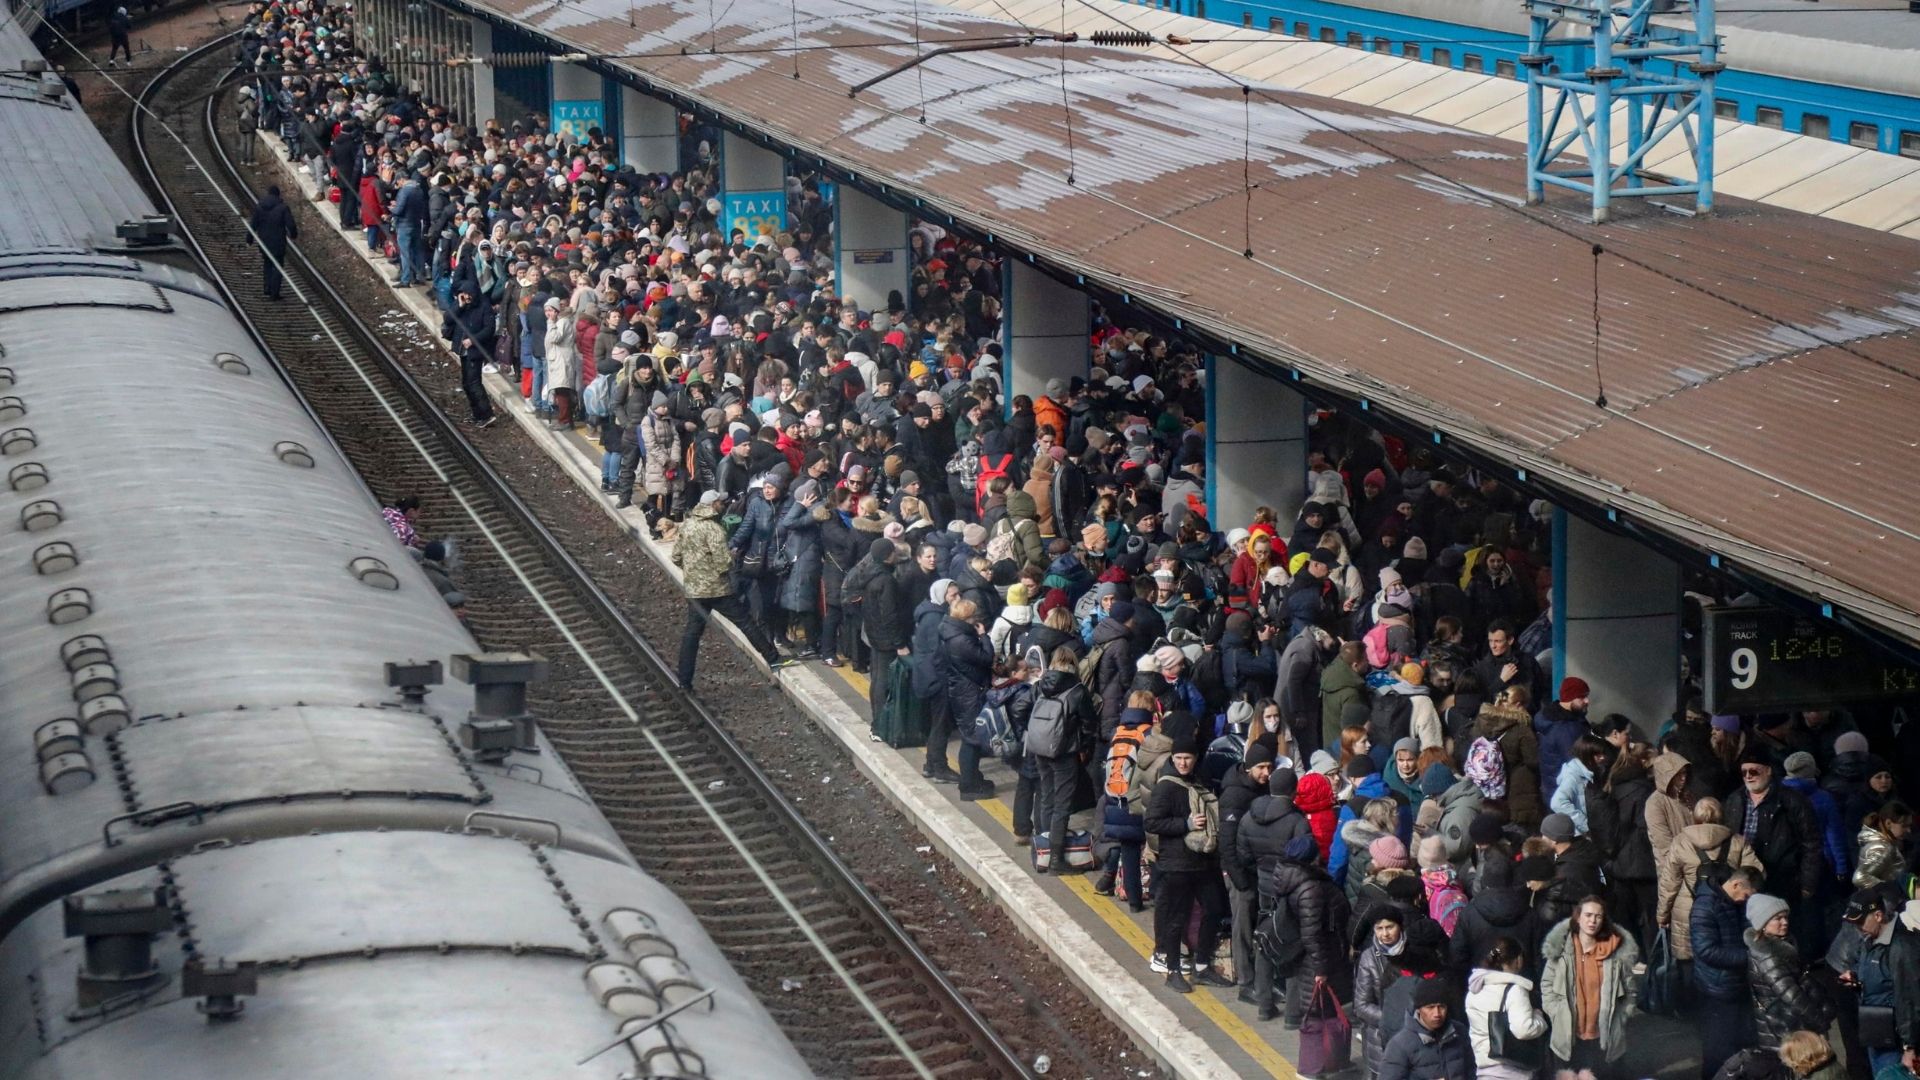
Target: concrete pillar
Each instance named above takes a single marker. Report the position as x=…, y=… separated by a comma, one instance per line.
x=1045, y=329
x=870, y=249
x=577, y=101
x=753, y=182
x=1616, y=621
x=484, y=105
x=1256, y=444
x=649, y=132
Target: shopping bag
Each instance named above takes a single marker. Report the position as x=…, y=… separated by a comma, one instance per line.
x=903, y=722
x=1660, y=991
x=1326, y=1036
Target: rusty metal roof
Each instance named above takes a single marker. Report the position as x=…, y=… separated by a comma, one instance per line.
x=1760, y=366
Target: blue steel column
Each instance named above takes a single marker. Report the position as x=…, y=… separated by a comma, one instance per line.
x=1601, y=159
x=1706, y=116
x=1535, y=62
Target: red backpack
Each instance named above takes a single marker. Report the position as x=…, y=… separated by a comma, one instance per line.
x=988, y=470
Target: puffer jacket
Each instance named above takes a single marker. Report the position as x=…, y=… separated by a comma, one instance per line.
x=1374, y=972
x=1665, y=815
x=1114, y=672
x=1238, y=793
x=1493, y=914
x=800, y=533
x=1833, y=835
x=1321, y=914
x=1315, y=799
x=1418, y=1054
x=1512, y=731
x=1490, y=991
x=1263, y=834
x=1717, y=937
x=701, y=552
x=1680, y=875
x=1617, y=818
x=1880, y=859
x=967, y=664
x=1785, y=1000
x=929, y=673
x=1355, y=836
x=1570, y=793
x=1618, y=1000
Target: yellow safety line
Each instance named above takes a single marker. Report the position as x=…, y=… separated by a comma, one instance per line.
x=1107, y=911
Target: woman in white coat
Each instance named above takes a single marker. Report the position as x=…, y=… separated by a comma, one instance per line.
x=1497, y=987
x=563, y=360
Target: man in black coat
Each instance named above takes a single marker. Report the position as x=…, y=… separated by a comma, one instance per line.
x=1319, y=913
x=1433, y=1045
x=272, y=225
x=469, y=328
x=1245, y=783
x=345, y=155
x=1786, y=835
x=883, y=615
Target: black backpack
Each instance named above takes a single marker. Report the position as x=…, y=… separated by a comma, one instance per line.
x=1209, y=679
x=1714, y=867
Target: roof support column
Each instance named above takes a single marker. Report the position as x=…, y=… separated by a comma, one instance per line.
x=753, y=182
x=1045, y=327
x=649, y=132
x=578, y=101
x=1256, y=445
x=1616, y=621
x=484, y=105
x=870, y=249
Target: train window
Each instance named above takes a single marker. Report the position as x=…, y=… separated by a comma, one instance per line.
x=1300, y=30
x=1356, y=40
x=1410, y=50
x=1443, y=57
x=1382, y=45
x=1504, y=68
x=1815, y=125
x=1276, y=26
x=1327, y=34
x=1867, y=135
x=1726, y=108
x=1246, y=19
x=1767, y=116
x=1470, y=62
x=1910, y=144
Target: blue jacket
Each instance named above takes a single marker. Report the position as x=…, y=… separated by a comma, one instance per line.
x=1570, y=793
x=1373, y=787
x=1717, y=934
x=1556, y=728
x=410, y=206
x=1833, y=835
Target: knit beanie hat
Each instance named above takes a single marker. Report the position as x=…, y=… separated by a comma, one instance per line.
x=1436, y=780
x=1851, y=742
x=1301, y=849
x=1432, y=852
x=1361, y=767
x=1761, y=908
x=1389, y=854
x=1283, y=782
x=1485, y=828
x=1260, y=754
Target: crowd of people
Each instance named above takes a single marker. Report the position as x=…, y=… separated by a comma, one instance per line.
x=1324, y=745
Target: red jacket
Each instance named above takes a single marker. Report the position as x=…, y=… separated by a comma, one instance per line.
x=370, y=201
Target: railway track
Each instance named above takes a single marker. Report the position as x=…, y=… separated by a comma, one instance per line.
x=850, y=988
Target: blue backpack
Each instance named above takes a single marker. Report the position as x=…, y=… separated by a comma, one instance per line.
x=993, y=729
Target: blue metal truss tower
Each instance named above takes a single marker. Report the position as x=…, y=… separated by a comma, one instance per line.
x=1662, y=75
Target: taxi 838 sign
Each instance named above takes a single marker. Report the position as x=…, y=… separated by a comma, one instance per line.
x=756, y=212
x=574, y=118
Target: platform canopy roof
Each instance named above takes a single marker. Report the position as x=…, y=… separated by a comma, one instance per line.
x=1760, y=367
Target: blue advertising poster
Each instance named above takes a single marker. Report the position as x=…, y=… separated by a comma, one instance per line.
x=573, y=118
x=754, y=213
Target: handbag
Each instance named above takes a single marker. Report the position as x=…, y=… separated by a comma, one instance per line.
x=1529, y=1054
x=1326, y=1036
x=1659, y=993
x=1876, y=1027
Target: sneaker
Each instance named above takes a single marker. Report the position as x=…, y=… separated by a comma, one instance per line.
x=488, y=422
x=941, y=776
x=1157, y=963
x=1212, y=977
x=833, y=661
x=1247, y=996
x=1178, y=983
x=1269, y=1012
x=491, y=369
x=1025, y=841
x=783, y=662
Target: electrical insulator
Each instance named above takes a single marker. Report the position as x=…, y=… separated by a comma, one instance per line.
x=1122, y=37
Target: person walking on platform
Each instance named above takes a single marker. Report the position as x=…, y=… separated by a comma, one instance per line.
x=272, y=226
x=409, y=219
x=701, y=552
x=119, y=31
x=248, y=123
